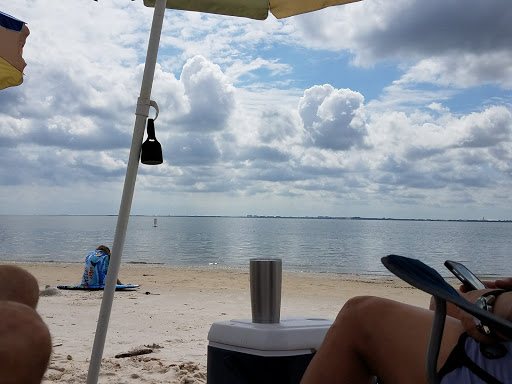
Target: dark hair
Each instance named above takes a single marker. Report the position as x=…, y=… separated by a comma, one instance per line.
x=104, y=248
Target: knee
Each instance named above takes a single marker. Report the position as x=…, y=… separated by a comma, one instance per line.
x=357, y=304
x=359, y=310
x=26, y=344
x=18, y=285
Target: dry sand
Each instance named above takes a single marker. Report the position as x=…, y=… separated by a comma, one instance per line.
x=171, y=314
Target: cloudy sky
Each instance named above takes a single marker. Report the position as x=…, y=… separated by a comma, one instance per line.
x=378, y=108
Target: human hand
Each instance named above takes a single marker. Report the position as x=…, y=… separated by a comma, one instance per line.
x=498, y=284
x=469, y=322
x=452, y=310
x=504, y=284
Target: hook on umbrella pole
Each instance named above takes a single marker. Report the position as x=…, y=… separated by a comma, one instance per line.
x=153, y=104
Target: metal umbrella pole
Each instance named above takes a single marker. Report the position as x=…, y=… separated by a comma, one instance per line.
x=142, y=112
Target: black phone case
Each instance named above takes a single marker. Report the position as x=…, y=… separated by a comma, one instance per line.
x=453, y=266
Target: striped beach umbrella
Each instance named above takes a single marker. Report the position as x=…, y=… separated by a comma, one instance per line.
x=253, y=9
x=13, y=33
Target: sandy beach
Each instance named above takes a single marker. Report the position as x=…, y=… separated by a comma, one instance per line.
x=171, y=313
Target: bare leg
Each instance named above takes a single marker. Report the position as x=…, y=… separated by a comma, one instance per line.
x=25, y=341
x=16, y=284
x=378, y=337
x=26, y=344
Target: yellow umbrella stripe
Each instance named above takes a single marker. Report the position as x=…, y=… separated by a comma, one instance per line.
x=9, y=75
x=13, y=34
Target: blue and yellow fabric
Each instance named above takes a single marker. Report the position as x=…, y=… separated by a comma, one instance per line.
x=13, y=33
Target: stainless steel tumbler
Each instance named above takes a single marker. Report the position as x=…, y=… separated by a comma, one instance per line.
x=265, y=280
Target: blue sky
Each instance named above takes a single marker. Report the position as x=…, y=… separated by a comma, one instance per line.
x=376, y=109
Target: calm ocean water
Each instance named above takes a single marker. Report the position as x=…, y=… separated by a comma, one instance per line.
x=310, y=245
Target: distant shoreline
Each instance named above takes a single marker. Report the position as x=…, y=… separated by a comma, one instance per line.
x=483, y=220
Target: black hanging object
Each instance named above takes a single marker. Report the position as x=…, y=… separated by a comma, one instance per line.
x=151, y=153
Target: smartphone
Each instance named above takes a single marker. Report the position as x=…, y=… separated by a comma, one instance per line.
x=465, y=275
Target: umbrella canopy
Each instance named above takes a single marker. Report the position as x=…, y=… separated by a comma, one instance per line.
x=13, y=33
x=253, y=9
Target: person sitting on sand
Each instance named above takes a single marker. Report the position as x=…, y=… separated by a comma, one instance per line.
x=376, y=337
x=25, y=345
x=96, y=267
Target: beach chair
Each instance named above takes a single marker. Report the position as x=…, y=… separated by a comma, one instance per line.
x=429, y=280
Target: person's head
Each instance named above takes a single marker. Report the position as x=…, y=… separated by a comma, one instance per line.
x=104, y=248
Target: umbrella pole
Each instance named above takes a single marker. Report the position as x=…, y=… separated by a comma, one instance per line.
x=141, y=113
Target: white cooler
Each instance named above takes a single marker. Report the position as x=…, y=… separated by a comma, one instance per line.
x=240, y=351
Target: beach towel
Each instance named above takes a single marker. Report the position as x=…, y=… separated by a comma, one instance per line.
x=96, y=268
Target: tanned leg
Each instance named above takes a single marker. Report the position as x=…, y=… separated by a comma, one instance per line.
x=26, y=344
x=16, y=284
x=25, y=341
x=378, y=337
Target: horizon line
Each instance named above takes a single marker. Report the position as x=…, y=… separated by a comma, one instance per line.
x=249, y=216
